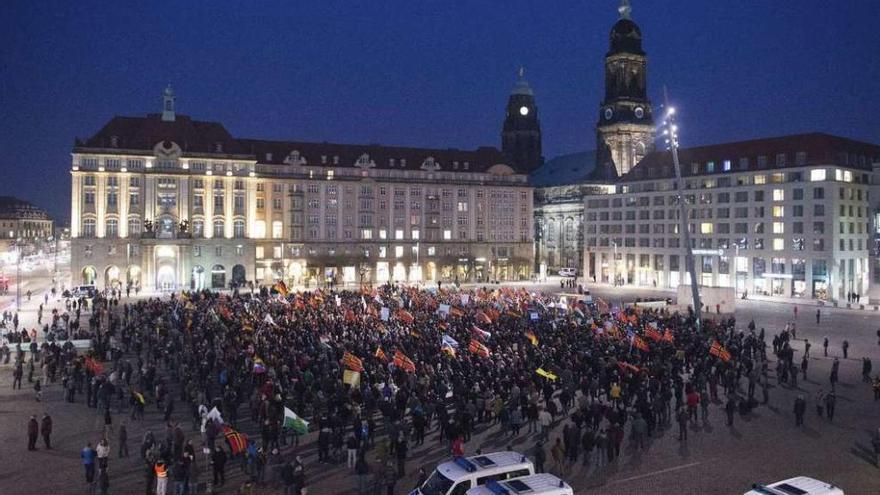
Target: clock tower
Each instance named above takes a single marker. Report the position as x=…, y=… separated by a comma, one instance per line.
x=521, y=134
x=625, y=130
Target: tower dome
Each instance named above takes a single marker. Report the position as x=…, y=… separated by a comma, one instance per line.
x=626, y=37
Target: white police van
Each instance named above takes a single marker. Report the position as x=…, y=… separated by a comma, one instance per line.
x=459, y=475
x=800, y=485
x=536, y=484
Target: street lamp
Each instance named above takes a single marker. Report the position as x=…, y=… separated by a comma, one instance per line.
x=670, y=135
x=18, y=277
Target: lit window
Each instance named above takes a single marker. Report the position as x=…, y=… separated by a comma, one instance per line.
x=778, y=211
x=276, y=229
x=329, y=175
x=432, y=251
x=778, y=228
x=398, y=251
x=383, y=234
x=260, y=252
x=727, y=165
x=847, y=176
x=398, y=234
x=706, y=228
x=415, y=234
x=462, y=206
x=817, y=175
x=778, y=244
x=778, y=195
x=260, y=229
x=276, y=252
x=760, y=179
x=447, y=235
x=383, y=251
x=367, y=234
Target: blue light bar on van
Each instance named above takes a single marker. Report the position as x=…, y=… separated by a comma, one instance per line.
x=465, y=464
x=496, y=488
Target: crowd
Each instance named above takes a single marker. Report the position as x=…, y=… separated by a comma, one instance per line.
x=373, y=371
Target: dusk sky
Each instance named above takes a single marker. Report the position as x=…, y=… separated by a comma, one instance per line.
x=421, y=73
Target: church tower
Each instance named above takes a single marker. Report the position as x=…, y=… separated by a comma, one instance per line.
x=521, y=134
x=625, y=130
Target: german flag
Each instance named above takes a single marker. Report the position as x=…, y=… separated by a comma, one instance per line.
x=640, y=343
x=482, y=317
x=653, y=334
x=352, y=362
x=719, y=351
x=668, y=337
x=405, y=316
x=380, y=355
x=493, y=314
x=237, y=441
x=476, y=347
x=403, y=362
x=626, y=366
x=532, y=337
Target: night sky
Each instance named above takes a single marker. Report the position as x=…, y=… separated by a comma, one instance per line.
x=421, y=73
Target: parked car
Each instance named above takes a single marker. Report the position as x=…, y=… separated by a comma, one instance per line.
x=568, y=272
x=800, y=485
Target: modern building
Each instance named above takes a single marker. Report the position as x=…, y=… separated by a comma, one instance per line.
x=20, y=219
x=165, y=201
x=789, y=217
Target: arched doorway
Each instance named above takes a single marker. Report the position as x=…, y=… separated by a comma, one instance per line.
x=218, y=277
x=112, y=277
x=198, y=278
x=133, y=277
x=89, y=275
x=165, y=280
x=238, y=275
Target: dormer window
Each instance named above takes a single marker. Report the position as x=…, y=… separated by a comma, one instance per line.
x=323, y=159
x=114, y=141
x=218, y=147
x=403, y=163
x=467, y=165
x=268, y=157
x=336, y=160
x=391, y=162
x=455, y=165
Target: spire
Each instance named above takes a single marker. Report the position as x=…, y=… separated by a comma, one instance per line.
x=522, y=86
x=625, y=9
x=168, y=104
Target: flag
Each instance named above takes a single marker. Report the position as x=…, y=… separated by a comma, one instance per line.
x=237, y=441
x=268, y=319
x=514, y=313
x=295, y=423
x=405, y=316
x=449, y=341
x=668, y=337
x=403, y=362
x=640, y=344
x=352, y=362
x=380, y=355
x=626, y=366
x=448, y=349
x=140, y=397
x=259, y=367
x=456, y=312
x=482, y=317
x=349, y=316
x=480, y=333
x=281, y=288
x=476, y=347
x=546, y=374
x=653, y=334
x=719, y=351
x=214, y=415
x=415, y=333
x=94, y=366
x=352, y=378
x=532, y=337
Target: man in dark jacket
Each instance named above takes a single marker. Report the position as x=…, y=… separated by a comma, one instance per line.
x=33, y=430
x=46, y=430
x=800, y=407
x=218, y=463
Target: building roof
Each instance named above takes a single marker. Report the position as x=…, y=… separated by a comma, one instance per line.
x=18, y=209
x=798, y=150
x=200, y=137
x=143, y=133
x=564, y=169
x=379, y=156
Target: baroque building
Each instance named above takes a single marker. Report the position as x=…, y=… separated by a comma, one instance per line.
x=169, y=202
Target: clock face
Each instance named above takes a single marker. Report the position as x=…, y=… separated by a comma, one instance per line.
x=640, y=112
x=609, y=113
x=523, y=110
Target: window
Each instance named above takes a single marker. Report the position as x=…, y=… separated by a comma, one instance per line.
x=383, y=234
x=134, y=227
x=238, y=228
x=198, y=228
x=778, y=211
x=398, y=251
x=798, y=210
x=447, y=235
x=89, y=227
x=760, y=179
x=779, y=195
x=398, y=234
x=277, y=229
x=818, y=210
x=219, y=228
x=778, y=227
x=706, y=228
x=726, y=166
x=778, y=244
x=259, y=229
x=89, y=198
x=818, y=175
x=366, y=233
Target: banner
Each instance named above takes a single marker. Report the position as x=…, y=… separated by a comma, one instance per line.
x=545, y=374
x=384, y=313
x=352, y=378
x=295, y=423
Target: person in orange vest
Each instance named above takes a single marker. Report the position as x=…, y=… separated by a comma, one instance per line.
x=161, y=477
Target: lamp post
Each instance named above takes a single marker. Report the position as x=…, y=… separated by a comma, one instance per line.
x=670, y=133
x=18, y=277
